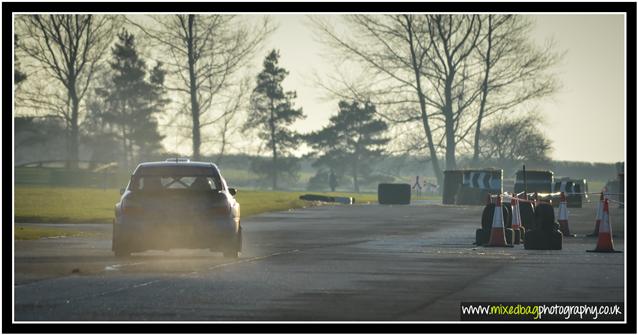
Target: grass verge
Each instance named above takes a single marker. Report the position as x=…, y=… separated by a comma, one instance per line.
x=35, y=233
x=91, y=205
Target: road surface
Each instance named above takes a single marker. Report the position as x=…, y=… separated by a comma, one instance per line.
x=357, y=263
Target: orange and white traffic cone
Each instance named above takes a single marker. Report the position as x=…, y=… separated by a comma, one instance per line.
x=563, y=216
x=605, y=242
x=497, y=235
x=516, y=221
x=599, y=215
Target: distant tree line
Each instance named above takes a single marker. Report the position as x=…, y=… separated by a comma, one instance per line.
x=436, y=86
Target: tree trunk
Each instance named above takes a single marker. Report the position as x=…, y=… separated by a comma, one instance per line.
x=74, y=146
x=125, y=147
x=450, y=143
x=477, y=134
x=222, y=149
x=124, y=138
x=274, y=145
x=193, y=89
x=355, y=175
x=424, y=115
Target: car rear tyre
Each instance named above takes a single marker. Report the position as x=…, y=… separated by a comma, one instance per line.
x=235, y=247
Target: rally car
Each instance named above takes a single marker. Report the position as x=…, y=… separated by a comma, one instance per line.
x=177, y=204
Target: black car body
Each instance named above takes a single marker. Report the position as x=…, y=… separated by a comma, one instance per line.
x=177, y=204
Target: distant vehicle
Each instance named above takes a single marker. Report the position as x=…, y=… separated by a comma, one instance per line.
x=177, y=204
x=540, y=181
x=575, y=190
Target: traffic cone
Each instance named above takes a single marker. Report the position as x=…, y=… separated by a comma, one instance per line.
x=599, y=215
x=605, y=242
x=562, y=216
x=497, y=235
x=516, y=221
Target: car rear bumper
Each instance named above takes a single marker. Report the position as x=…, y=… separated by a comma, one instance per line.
x=140, y=235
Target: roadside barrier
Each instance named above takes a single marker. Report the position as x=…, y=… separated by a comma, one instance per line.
x=605, y=242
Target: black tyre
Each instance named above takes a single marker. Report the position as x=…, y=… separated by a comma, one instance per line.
x=527, y=215
x=233, y=249
x=116, y=244
x=509, y=236
x=486, y=217
x=507, y=215
x=544, y=217
x=240, y=240
x=532, y=240
x=554, y=240
x=482, y=236
x=519, y=235
x=394, y=194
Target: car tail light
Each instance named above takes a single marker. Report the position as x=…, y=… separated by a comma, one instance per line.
x=219, y=210
x=132, y=210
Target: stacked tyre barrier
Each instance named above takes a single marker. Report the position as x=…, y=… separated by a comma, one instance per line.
x=538, y=229
x=546, y=234
x=394, y=194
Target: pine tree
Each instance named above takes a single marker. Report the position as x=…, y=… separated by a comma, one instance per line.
x=131, y=101
x=18, y=75
x=272, y=114
x=350, y=140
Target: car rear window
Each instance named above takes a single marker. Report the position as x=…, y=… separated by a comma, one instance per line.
x=157, y=183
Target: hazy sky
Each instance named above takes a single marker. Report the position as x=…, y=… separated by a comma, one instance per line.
x=585, y=120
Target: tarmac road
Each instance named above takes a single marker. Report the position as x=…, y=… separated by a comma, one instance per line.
x=361, y=262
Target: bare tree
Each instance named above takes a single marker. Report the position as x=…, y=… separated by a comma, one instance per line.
x=514, y=70
x=397, y=52
x=516, y=139
x=454, y=38
x=446, y=72
x=68, y=48
x=229, y=124
x=205, y=53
